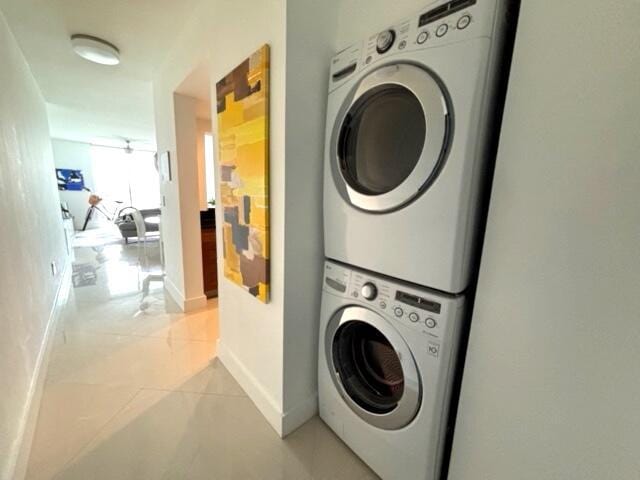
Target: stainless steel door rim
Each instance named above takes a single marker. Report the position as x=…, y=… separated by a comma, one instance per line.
x=409, y=403
x=437, y=116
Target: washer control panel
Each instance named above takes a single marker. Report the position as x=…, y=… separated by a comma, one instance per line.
x=385, y=40
x=441, y=22
x=369, y=291
x=416, y=308
x=444, y=19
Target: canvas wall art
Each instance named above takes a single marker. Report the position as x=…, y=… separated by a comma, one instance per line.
x=69, y=179
x=243, y=142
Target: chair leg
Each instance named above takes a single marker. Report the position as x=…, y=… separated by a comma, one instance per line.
x=87, y=218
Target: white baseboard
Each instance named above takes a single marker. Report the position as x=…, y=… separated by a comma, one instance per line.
x=34, y=397
x=299, y=415
x=282, y=423
x=173, y=292
x=260, y=397
x=195, y=303
x=185, y=304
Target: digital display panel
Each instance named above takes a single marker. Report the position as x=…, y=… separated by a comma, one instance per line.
x=444, y=10
x=418, y=302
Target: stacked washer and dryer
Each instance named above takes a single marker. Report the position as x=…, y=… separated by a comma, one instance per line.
x=409, y=121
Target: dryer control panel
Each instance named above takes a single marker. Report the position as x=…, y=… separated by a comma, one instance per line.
x=417, y=308
x=441, y=22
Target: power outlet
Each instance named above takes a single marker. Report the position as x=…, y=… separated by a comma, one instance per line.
x=54, y=269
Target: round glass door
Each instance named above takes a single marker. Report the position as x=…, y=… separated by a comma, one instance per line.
x=382, y=139
x=373, y=368
x=393, y=137
x=368, y=366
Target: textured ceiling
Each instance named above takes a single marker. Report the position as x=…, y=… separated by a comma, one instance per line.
x=87, y=101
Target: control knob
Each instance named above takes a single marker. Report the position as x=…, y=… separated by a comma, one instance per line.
x=369, y=291
x=385, y=41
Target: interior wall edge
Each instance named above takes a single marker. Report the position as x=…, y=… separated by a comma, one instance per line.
x=299, y=414
x=174, y=292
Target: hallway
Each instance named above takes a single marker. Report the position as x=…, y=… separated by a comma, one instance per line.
x=141, y=395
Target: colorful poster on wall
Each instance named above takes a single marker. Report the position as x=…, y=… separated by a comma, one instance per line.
x=69, y=179
x=243, y=140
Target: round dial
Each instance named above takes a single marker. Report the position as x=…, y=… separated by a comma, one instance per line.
x=369, y=291
x=385, y=41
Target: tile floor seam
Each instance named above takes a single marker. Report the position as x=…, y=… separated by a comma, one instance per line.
x=212, y=394
x=98, y=431
x=85, y=332
x=158, y=402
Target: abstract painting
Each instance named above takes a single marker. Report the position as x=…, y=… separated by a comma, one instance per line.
x=69, y=179
x=243, y=141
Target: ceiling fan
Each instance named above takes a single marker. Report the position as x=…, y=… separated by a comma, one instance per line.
x=129, y=144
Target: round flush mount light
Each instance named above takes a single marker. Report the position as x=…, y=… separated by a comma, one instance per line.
x=95, y=49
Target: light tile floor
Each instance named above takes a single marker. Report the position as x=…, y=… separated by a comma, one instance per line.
x=141, y=395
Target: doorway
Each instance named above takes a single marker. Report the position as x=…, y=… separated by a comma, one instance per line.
x=197, y=86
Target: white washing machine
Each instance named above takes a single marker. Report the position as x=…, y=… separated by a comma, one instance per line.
x=409, y=116
x=386, y=364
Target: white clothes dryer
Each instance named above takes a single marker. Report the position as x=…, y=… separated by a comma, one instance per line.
x=408, y=121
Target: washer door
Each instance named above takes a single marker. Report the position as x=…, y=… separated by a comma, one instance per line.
x=373, y=368
x=392, y=139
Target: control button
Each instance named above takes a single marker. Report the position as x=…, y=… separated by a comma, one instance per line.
x=463, y=22
x=368, y=60
x=354, y=294
x=385, y=41
x=414, y=317
x=398, y=312
x=369, y=291
x=430, y=322
x=422, y=37
x=402, y=44
x=442, y=29
x=383, y=304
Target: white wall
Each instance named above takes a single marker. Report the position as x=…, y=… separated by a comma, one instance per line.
x=222, y=33
x=270, y=348
x=31, y=236
x=251, y=333
x=76, y=155
x=552, y=381
x=176, y=133
x=187, y=176
x=311, y=42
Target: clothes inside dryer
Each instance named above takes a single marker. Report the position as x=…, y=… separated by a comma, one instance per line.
x=368, y=366
x=373, y=368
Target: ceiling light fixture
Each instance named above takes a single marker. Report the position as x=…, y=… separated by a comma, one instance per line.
x=95, y=49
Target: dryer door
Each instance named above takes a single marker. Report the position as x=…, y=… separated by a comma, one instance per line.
x=373, y=368
x=391, y=139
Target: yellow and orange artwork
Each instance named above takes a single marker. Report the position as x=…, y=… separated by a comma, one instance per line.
x=243, y=141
